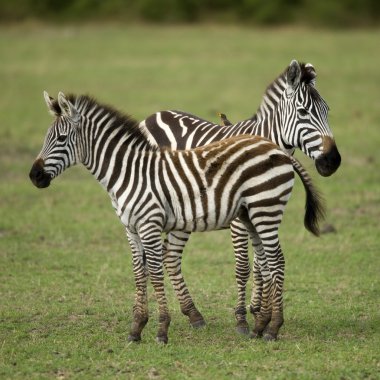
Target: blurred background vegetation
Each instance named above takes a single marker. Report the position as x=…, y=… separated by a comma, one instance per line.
x=330, y=13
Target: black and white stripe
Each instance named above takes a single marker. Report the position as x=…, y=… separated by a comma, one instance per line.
x=292, y=114
x=155, y=191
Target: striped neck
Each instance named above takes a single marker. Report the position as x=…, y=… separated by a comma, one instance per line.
x=102, y=130
x=271, y=98
x=267, y=122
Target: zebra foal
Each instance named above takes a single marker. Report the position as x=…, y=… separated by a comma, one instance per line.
x=155, y=191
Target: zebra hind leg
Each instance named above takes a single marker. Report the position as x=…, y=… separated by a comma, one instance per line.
x=239, y=237
x=270, y=259
x=276, y=264
x=172, y=253
x=260, y=302
x=140, y=308
x=150, y=235
x=257, y=290
x=262, y=314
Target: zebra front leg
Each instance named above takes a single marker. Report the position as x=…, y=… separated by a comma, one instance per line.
x=140, y=307
x=239, y=237
x=172, y=253
x=150, y=235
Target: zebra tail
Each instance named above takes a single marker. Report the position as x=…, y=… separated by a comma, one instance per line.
x=314, y=207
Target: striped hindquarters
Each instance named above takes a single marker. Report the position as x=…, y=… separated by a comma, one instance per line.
x=205, y=188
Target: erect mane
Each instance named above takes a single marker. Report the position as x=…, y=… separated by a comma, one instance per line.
x=86, y=104
x=271, y=95
x=308, y=76
x=274, y=90
x=308, y=73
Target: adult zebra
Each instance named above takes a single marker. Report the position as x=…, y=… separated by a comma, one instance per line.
x=155, y=191
x=293, y=115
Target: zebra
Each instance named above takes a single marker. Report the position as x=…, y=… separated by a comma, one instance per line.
x=293, y=115
x=157, y=190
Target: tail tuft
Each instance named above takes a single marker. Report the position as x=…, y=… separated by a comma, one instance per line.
x=314, y=206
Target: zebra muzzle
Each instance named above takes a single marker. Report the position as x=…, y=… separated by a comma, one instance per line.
x=38, y=176
x=328, y=163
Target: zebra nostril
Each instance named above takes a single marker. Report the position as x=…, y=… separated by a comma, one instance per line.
x=39, y=175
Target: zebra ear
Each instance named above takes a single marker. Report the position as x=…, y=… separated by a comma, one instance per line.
x=49, y=102
x=67, y=108
x=293, y=77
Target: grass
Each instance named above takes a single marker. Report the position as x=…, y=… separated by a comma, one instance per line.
x=66, y=284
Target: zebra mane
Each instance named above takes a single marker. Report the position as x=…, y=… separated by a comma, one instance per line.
x=308, y=73
x=122, y=121
x=308, y=76
x=274, y=90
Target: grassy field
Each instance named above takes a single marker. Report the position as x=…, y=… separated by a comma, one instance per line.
x=66, y=284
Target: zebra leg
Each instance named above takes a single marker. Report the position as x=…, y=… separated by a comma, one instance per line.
x=150, y=235
x=257, y=290
x=239, y=237
x=271, y=263
x=172, y=252
x=140, y=308
x=263, y=317
x=277, y=268
x=261, y=309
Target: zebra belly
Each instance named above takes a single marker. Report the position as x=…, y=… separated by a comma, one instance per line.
x=188, y=225
x=195, y=226
x=199, y=223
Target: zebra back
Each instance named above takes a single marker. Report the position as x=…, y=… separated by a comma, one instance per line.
x=176, y=129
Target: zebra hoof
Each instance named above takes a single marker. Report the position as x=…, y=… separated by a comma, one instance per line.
x=242, y=330
x=162, y=339
x=256, y=335
x=134, y=338
x=198, y=324
x=254, y=310
x=269, y=337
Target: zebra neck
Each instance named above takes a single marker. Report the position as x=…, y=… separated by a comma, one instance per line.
x=104, y=133
x=267, y=116
x=107, y=152
x=277, y=134
x=271, y=97
x=269, y=126
x=264, y=125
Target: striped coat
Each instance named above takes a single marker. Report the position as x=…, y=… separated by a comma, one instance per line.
x=294, y=116
x=155, y=191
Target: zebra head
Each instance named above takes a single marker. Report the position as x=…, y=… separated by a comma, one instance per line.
x=60, y=146
x=303, y=114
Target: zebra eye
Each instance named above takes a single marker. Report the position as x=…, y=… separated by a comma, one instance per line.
x=61, y=138
x=303, y=112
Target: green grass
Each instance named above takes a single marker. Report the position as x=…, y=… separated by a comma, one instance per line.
x=66, y=284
